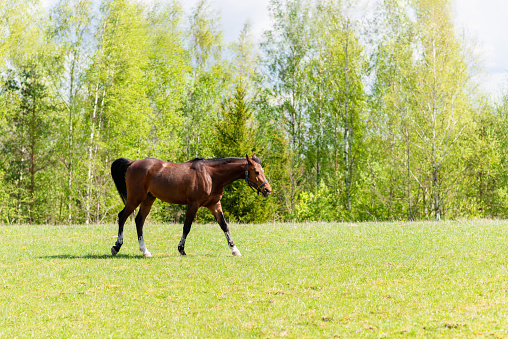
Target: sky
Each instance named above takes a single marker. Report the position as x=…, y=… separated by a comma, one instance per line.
x=235, y=13
x=486, y=22
x=483, y=21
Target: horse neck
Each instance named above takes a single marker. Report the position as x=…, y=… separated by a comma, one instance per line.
x=227, y=173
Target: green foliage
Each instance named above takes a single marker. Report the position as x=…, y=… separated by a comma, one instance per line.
x=209, y=82
x=287, y=57
x=353, y=122
x=321, y=205
x=167, y=76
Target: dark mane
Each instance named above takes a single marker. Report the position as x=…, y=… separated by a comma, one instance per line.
x=196, y=159
x=223, y=160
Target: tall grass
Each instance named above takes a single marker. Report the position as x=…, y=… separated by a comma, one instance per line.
x=446, y=279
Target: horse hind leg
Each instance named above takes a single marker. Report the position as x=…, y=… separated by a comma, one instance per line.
x=144, y=209
x=122, y=217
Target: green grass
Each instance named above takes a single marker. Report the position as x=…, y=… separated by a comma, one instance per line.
x=446, y=279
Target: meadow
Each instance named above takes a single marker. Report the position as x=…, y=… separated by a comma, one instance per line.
x=344, y=280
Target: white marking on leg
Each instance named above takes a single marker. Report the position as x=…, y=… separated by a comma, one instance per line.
x=119, y=242
x=181, y=245
x=182, y=242
x=234, y=249
x=142, y=248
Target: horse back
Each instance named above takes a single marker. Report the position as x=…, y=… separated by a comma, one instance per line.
x=175, y=183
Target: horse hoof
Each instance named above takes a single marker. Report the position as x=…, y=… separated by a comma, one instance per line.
x=147, y=254
x=237, y=254
x=113, y=251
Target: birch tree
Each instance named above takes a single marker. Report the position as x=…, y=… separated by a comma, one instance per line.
x=119, y=107
x=287, y=52
x=439, y=93
x=347, y=96
x=209, y=82
x=393, y=111
x=72, y=22
x=168, y=77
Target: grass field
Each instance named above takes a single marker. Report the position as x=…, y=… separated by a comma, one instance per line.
x=447, y=279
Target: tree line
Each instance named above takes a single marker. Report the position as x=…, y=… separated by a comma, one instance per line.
x=355, y=117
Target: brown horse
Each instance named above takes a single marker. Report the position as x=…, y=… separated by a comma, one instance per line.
x=195, y=183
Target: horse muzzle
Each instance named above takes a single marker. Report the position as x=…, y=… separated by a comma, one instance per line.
x=264, y=188
x=266, y=192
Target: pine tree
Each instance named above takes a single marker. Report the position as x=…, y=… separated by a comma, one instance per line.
x=234, y=137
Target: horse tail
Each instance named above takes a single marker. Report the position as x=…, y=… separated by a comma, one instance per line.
x=118, y=169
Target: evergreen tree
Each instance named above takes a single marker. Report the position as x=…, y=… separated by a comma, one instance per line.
x=235, y=132
x=31, y=138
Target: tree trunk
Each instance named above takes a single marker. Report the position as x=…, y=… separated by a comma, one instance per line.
x=347, y=132
x=318, y=151
x=91, y=154
x=32, y=161
x=435, y=165
x=437, y=195
x=408, y=154
x=71, y=138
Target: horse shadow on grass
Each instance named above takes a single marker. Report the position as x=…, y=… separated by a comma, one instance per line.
x=127, y=256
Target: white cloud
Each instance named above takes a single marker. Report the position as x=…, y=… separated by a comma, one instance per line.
x=485, y=21
x=235, y=13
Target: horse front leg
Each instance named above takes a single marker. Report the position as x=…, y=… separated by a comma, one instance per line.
x=192, y=209
x=219, y=216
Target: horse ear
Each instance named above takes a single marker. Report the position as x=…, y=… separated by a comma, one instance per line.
x=248, y=158
x=256, y=158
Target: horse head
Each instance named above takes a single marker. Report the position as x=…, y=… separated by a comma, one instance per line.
x=255, y=176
